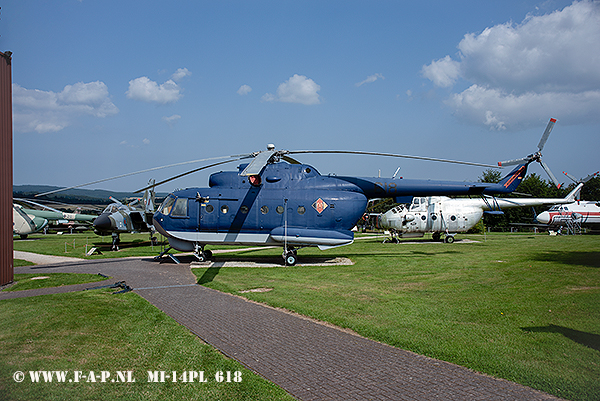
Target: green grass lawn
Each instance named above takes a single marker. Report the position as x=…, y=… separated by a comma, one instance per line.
x=521, y=307
x=76, y=245
x=97, y=331
x=30, y=281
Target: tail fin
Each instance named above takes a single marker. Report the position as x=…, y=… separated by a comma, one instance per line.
x=574, y=193
x=512, y=180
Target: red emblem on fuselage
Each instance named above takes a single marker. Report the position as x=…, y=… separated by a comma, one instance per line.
x=320, y=205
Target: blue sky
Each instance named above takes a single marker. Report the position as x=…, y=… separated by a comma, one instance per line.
x=102, y=88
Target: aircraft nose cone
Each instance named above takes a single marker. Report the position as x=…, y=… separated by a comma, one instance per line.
x=543, y=218
x=102, y=222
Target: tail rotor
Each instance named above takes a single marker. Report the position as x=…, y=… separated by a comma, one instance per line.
x=537, y=156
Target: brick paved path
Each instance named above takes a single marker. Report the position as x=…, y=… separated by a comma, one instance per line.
x=309, y=360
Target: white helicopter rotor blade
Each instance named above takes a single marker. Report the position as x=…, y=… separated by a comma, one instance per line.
x=589, y=177
x=546, y=134
x=552, y=177
x=356, y=152
x=153, y=185
x=139, y=172
x=571, y=177
x=514, y=162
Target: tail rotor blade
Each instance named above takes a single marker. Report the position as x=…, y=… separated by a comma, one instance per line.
x=570, y=176
x=552, y=177
x=546, y=133
x=589, y=177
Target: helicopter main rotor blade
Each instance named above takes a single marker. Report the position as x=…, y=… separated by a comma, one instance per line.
x=356, y=152
x=546, y=134
x=187, y=173
x=139, y=172
x=552, y=177
x=514, y=162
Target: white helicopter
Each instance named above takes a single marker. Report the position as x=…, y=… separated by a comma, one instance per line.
x=574, y=215
x=442, y=215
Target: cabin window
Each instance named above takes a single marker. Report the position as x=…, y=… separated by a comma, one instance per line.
x=224, y=209
x=301, y=210
x=244, y=209
x=279, y=209
x=452, y=218
x=209, y=208
x=264, y=209
x=180, y=208
x=167, y=205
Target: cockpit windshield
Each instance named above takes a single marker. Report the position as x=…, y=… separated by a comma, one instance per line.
x=167, y=205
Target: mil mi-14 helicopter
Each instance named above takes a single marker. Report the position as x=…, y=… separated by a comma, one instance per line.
x=276, y=200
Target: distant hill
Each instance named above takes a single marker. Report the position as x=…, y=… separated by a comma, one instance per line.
x=80, y=196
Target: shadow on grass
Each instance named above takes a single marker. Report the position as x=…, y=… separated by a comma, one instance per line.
x=581, y=337
x=209, y=275
x=584, y=258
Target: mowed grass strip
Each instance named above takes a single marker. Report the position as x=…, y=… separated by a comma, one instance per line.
x=521, y=307
x=98, y=331
x=29, y=281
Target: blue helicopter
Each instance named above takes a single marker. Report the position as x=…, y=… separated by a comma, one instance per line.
x=276, y=200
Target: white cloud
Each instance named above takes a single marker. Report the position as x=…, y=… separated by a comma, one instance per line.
x=146, y=141
x=442, y=72
x=172, y=119
x=180, y=74
x=149, y=91
x=244, y=90
x=519, y=72
x=499, y=110
x=47, y=111
x=297, y=89
x=370, y=78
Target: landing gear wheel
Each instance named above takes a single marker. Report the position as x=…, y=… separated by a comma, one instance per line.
x=154, y=241
x=200, y=253
x=290, y=258
x=436, y=236
x=449, y=239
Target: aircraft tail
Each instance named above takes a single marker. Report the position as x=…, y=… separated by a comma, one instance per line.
x=574, y=193
x=512, y=180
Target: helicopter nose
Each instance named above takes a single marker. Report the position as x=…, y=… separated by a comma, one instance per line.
x=543, y=218
x=102, y=222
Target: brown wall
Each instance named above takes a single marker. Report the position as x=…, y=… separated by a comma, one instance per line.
x=6, y=171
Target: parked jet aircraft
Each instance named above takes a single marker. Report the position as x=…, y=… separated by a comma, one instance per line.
x=441, y=215
x=120, y=218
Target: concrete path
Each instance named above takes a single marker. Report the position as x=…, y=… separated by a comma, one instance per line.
x=310, y=360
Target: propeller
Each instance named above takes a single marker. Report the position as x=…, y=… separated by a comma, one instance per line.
x=537, y=156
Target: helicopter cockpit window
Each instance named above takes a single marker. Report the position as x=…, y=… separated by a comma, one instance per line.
x=167, y=205
x=180, y=208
